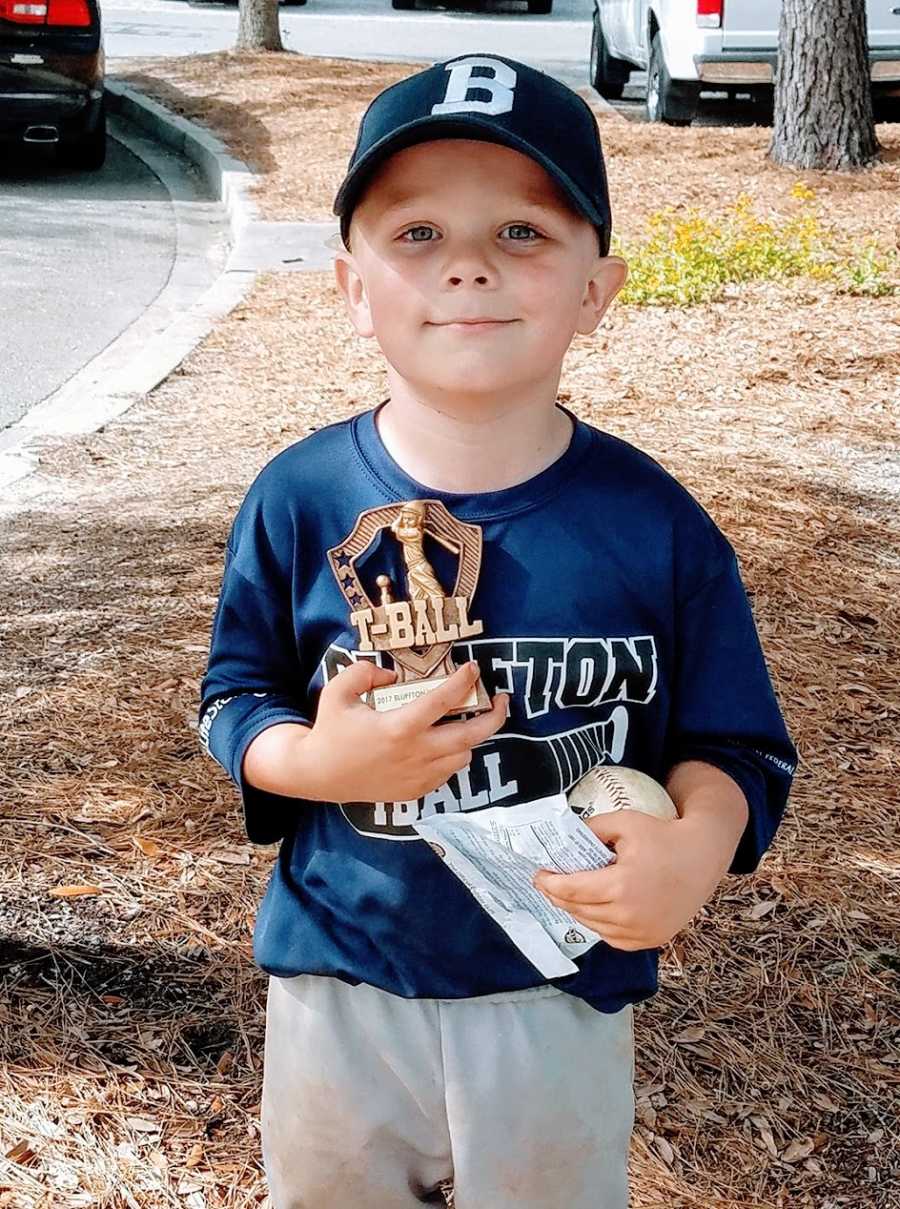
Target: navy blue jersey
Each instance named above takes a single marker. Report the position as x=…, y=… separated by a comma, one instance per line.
x=615, y=616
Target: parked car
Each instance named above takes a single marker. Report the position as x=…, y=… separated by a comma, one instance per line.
x=51, y=78
x=689, y=46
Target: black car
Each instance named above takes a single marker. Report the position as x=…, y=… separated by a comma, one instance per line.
x=51, y=78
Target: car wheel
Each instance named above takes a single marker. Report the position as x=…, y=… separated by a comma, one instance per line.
x=87, y=154
x=540, y=6
x=403, y=3
x=670, y=101
x=608, y=75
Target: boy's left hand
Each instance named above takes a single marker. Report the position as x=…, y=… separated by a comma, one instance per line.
x=663, y=874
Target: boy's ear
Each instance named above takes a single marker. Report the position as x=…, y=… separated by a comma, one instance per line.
x=352, y=286
x=607, y=277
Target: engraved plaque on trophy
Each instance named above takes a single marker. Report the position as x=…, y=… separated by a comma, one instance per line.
x=417, y=629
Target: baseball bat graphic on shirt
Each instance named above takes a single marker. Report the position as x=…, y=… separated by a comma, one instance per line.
x=505, y=770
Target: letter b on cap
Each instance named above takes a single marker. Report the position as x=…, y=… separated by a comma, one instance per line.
x=500, y=85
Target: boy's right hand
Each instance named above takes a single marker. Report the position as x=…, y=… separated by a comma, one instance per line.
x=356, y=754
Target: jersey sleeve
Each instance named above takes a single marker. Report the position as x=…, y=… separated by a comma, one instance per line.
x=252, y=682
x=724, y=709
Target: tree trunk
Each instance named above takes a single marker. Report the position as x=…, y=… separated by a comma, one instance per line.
x=823, y=95
x=258, y=27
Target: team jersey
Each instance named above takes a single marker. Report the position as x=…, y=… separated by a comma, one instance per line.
x=614, y=615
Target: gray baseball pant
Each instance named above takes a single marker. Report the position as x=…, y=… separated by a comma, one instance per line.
x=370, y=1101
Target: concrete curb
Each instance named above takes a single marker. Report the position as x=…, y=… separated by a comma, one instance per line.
x=229, y=179
x=185, y=311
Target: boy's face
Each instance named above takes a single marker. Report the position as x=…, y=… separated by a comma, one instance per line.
x=453, y=231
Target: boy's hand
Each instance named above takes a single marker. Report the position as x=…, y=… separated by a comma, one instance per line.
x=663, y=874
x=355, y=754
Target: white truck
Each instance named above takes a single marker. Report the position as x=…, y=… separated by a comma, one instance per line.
x=689, y=46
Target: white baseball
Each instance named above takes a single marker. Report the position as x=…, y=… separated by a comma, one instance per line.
x=610, y=787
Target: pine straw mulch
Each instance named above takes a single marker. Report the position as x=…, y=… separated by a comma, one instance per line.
x=132, y=1025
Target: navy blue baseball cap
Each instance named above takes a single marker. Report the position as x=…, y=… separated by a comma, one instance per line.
x=498, y=100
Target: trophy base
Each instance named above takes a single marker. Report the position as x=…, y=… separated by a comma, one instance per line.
x=393, y=696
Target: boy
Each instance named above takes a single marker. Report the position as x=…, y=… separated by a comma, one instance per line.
x=408, y=1041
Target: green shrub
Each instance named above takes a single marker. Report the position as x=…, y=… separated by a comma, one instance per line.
x=687, y=258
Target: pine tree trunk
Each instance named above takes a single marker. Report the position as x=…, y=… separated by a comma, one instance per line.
x=823, y=96
x=258, y=27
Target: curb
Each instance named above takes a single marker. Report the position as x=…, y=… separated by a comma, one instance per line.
x=158, y=341
x=228, y=178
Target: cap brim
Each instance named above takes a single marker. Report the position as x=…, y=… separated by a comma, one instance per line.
x=473, y=127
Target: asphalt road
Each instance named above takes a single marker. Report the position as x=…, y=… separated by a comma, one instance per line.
x=82, y=254
x=370, y=29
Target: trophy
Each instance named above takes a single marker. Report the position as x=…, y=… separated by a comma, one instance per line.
x=417, y=631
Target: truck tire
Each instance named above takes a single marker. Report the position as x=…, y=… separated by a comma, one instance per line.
x=671, y=101
x=540, y=6
x=608, y=75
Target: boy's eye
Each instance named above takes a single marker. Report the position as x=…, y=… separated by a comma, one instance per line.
x=520, y=227
x=419, y=233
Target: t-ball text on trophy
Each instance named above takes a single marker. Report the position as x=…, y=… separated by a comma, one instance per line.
x=417, y=632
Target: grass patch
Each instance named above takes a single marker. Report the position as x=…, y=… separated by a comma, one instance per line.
x=688, y=257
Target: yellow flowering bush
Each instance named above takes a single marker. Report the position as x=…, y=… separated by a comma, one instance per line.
x=687, y=257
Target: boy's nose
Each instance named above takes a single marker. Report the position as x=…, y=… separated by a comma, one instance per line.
x=468, y=265
x=459, y=278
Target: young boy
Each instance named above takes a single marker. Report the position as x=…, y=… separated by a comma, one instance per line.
x=408, y=1041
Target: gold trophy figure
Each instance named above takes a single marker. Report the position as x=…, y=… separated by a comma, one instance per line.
x=409, y=529
x=417, y=632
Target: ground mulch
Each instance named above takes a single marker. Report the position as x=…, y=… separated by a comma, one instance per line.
x=131, y=1026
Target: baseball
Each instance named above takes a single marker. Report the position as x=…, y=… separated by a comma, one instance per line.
x=612, y=788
